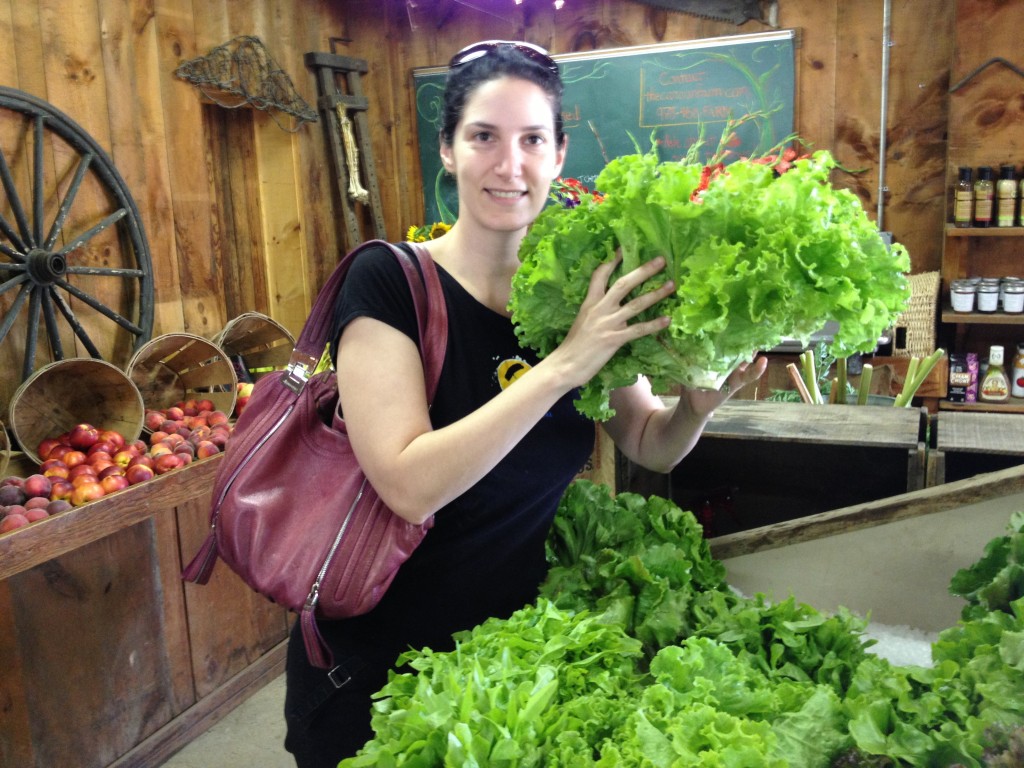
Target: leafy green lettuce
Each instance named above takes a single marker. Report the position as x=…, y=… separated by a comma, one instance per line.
x=756, y=257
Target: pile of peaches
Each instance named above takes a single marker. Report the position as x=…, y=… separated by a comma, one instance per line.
x=87, y=462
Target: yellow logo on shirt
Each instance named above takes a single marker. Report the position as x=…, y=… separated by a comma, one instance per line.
x=510, y=370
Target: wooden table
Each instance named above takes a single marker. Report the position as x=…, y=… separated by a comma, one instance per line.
x=109, y=658
x=967, y=443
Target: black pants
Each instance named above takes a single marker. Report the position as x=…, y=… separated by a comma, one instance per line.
x=328, y=715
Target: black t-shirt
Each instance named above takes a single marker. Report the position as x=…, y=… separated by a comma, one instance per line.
x=484, y=555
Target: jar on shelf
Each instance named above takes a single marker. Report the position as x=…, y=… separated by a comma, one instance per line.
x=987, y=297
x=1013, y=297
x=961, y=295
x=1006, y=197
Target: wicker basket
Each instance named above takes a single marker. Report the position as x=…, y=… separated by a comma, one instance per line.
x=256, y=345
x=179, y=366
x=914, y=333
x=74, y=391
x=5, y=450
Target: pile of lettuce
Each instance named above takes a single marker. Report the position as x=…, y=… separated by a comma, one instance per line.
x=757, y=256
x=638, y=654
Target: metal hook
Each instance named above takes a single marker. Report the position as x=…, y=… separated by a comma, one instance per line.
x=990, y=62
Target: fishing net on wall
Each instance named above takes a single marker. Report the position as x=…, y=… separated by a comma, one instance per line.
x=241, y=73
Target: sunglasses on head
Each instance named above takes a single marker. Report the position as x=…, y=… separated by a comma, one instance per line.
x=533, y=52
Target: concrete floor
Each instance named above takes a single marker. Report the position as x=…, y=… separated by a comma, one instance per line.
x=250, y=736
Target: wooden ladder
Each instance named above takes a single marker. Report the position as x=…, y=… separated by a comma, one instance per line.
x=340, y=93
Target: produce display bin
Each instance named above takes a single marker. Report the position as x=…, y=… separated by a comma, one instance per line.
x=967, y=443
x=180, y=366
x=74, y=391
x=256, y=345
x=762, y=462
x=891, y=560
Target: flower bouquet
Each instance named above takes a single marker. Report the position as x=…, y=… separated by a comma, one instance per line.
x=760, y=250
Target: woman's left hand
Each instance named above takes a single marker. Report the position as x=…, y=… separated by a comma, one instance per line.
x=704, y=401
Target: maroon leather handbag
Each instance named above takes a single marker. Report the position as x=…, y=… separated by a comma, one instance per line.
x=292, y=513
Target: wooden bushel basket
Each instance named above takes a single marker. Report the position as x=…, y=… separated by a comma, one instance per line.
x=74, y=391
x=5, y=450
x=179, y=366
x=258, y=343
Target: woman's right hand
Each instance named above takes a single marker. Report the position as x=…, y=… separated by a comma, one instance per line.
x=603, y=324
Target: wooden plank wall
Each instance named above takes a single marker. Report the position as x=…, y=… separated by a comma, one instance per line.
x=241, y=215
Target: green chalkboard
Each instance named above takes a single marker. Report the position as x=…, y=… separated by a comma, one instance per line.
x=618, y=99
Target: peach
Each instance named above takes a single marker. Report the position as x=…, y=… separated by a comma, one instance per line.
x=61, y=490
x=56, y=506
x=123, y=458
x=12, y=494
x=73, y=458
x=217, y=417
x=113, y=469
x=86, y=492
x=174, y=413
x=36, y=502
x=45, y=446
x=85, y=479
x=36, y=513
x=145, y=460
x=12, y=522
x=206, y=448
x=37, y=485
x=139, y=473
x=59, y=452
x=153, y=420
x=114, y=483
x=83, y=436
x=167, y=462
x=160, y=449
x=81, y=469
x=115, y=438
x=205, y=405
x=157, y=437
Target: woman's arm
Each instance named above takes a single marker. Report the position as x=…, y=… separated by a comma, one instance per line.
x=416, y=469
x=658, y=437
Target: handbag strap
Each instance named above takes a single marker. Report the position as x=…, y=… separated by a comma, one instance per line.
x=428, y=303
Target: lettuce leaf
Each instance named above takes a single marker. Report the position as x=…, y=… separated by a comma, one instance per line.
x=756, y=257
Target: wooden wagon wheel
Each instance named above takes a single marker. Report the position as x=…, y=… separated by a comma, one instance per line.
x=75, y=269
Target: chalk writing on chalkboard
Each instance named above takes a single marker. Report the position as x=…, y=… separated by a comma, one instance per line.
x=618, y=101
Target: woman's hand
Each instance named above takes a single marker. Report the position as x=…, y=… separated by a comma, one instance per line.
x=603, y=324
x=702, y=402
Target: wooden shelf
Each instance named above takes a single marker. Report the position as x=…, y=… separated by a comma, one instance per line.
x=27, y=547
x=980, y=318
x=954, y=231
x=1014, y=405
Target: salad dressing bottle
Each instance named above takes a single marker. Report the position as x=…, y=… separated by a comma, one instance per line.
x=995, y=387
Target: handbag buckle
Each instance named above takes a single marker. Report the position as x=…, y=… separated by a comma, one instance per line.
x=335, y=677
x=298, y=370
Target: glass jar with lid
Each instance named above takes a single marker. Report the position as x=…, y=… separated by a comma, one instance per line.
x=988, y=296
x=961, y=295
x=1013, y=297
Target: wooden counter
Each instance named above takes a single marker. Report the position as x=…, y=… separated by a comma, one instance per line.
x=109, y=658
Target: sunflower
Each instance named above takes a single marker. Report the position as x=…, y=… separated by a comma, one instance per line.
x=427, y=232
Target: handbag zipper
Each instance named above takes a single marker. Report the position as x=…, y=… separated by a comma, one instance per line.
x=314, y=593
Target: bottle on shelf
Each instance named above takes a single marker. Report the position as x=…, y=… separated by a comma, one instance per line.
x=995, y=387
x=963, y=198
x=1017, y=383
x=984, y=192
x=1006, y=197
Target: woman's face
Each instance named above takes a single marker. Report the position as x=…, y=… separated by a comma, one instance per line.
x=504, y=154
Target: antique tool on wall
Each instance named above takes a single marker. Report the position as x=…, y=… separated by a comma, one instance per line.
x=735, y=11
x=347, y=133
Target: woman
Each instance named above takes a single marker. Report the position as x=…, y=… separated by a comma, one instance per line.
x=490, y=459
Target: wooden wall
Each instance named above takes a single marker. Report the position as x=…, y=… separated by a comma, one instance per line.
x=240, y=215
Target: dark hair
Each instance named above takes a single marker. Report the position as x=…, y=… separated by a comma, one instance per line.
x=502, y=60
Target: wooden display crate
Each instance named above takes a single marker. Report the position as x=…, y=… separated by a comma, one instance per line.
x=966, y=443
x=761, y=462
x=892, y=559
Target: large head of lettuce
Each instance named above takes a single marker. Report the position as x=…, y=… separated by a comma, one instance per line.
x=757, y=256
